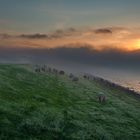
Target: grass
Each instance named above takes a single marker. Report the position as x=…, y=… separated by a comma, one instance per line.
x=38, y=106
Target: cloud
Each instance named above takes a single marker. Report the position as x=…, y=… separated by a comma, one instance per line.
x=59, y=33
x=34, y=36
x=111, y=58
x=64, y=33
x=114, y=37
x=5, y=36
x=103, y=31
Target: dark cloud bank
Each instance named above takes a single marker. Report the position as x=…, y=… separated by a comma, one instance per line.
x=56, y=34
x=103, y=31
x=72, y=56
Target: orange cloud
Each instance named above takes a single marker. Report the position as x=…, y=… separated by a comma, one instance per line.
x=121, y=38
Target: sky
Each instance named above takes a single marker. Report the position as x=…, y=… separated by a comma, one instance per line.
x=28, y=16
x=101, y=36
x=52, y=23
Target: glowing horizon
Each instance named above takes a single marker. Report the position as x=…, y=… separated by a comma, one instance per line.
x=126, y=39
x=103, y=25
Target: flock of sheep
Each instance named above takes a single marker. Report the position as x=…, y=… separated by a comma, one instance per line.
x=101, y=96
x=45, y=68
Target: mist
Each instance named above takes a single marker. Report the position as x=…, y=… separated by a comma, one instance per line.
x=114, y=65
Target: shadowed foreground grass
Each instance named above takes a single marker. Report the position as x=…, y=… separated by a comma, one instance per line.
x=48, y=107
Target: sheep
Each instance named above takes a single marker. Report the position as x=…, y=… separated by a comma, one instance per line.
x=37, y=70
x=101, y=98
x=85, y=76
x=71, y=75
x=75, y=79
x=49, y=69
x=43, y=69
x=55, y=71
x=61, y=72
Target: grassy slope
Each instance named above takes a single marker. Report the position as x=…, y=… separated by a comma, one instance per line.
x=48, y=107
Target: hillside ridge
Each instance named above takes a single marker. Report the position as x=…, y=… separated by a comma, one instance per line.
x=44, y=105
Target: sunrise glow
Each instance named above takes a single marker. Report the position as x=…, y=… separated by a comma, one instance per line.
x=137, y=44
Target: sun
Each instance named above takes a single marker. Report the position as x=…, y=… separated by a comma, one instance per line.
x=134, y=45
x=137, y=44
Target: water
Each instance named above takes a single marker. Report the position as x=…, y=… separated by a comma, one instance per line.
x=126, y=78
x=121, y=77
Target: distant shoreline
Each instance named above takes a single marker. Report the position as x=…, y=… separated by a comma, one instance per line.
x=112, y=85
x=98, y=79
